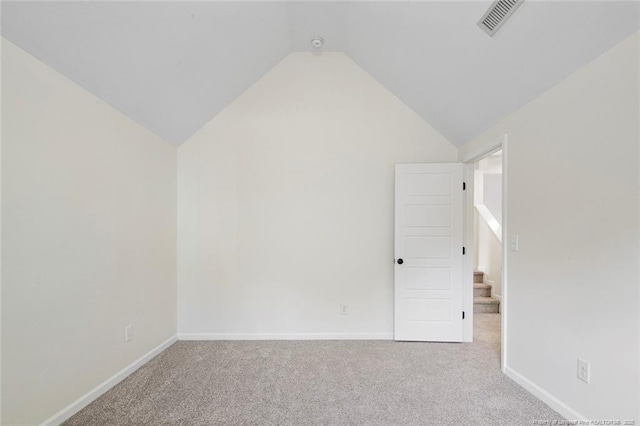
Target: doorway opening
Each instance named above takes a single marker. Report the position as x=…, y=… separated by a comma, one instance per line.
x=485, y=236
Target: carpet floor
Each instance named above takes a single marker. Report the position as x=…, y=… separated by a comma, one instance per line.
x=322, y=383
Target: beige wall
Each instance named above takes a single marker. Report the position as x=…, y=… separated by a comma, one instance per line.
x=285, y=205
x=89, y=237
x=573, y=201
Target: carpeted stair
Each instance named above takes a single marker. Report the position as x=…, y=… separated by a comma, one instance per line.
x=482, y=300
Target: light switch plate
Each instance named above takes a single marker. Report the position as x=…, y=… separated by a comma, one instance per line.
x=515, y=243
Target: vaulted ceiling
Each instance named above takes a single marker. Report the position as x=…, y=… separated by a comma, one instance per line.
x=172, y=66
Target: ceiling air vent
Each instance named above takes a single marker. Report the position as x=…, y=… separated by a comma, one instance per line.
x=497, y=14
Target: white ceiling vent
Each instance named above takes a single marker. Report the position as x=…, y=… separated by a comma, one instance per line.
x=497, y=15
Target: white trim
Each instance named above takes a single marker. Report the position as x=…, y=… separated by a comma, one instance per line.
x=467, y=294
x=638, y=406
x=86, y=399
x=285, y=336
x=505, y=252
x=484, y=151
x=553, y=402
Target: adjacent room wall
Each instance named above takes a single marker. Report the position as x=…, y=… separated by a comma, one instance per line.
x=487, y=245
x=488, y=251
x=285, y=205
x=492, y=194
x=89, y=240
x=573, y=201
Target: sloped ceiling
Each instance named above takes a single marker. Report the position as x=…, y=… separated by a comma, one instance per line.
x=172, y=66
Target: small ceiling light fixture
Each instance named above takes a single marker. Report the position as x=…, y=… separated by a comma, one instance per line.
x=317, y=42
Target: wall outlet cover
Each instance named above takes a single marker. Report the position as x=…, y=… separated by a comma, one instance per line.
x=584, y=370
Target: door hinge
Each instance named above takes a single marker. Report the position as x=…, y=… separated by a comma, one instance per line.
x=462, y=314
x=464, y=251
x=464, y=186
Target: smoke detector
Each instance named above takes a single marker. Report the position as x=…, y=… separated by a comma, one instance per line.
x=317, y=42
x=497, y=15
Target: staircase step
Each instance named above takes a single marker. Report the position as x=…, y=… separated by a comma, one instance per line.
x=478, y=276
x=481, y=290
x=486, y=305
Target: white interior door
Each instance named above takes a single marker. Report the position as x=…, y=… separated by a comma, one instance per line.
x=428, y=252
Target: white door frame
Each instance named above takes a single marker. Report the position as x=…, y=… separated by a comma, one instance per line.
x=469, y=159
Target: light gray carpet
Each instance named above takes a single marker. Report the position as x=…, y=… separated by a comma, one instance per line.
x=322, y=382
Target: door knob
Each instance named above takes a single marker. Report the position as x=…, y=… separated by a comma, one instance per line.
x=400, y=261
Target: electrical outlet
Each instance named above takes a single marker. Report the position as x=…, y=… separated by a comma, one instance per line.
x=344, y=310
x=128, y=333
x=584, y=370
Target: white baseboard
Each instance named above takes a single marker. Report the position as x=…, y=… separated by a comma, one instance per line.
x=86, y=399
x=285, y=336
x=553, y=402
